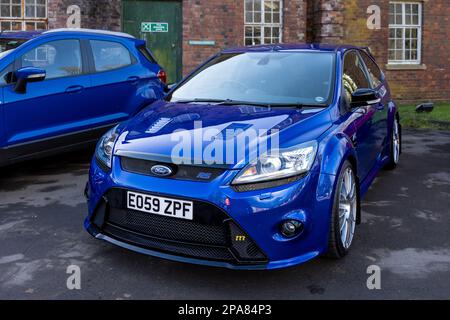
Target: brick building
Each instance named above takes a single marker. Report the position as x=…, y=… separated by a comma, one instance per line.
x=410, y=39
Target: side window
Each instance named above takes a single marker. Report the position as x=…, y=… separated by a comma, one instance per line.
x=60, y=58
x=144, y=51
x=374, y=71
x=110, y=55
x=354, y=76
x=4, y=73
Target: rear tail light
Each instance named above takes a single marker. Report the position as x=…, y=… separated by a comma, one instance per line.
x=162, y=76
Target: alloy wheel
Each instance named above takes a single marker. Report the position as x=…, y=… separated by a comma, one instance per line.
x=347, y=208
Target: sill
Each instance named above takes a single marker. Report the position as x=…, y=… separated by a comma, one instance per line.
x=406, y=66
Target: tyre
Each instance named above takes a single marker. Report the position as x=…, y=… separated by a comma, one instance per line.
x=344, y=214
x=395, y=145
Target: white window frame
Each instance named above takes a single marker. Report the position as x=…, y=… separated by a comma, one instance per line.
x=24, y=20
x=403, y=26
x=263, y=24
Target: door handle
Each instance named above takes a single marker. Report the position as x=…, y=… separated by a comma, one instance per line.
x=133, y=79
x=74, y=89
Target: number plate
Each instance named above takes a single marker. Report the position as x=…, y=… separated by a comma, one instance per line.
x=160, y=205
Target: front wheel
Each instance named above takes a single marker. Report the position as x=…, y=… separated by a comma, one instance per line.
x=345, y=212
x=396, y=140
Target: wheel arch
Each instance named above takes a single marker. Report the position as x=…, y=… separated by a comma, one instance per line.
x=338, y=149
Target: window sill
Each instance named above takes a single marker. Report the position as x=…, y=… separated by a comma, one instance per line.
x=406, y=67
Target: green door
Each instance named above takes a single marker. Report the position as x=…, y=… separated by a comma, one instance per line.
x=160, y=24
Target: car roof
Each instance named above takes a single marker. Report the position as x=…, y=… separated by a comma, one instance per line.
x=292, y=47
x=33, y=34
x=26, y=35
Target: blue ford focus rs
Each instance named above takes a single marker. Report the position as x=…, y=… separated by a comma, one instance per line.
x=258, y=159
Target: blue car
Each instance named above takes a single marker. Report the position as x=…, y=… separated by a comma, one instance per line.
x=62, y=89
x=258, y=159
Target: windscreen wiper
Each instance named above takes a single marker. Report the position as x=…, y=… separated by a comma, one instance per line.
x=230, y=102
x=226, y=102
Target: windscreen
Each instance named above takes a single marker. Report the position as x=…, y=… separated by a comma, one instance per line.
x=264, y=77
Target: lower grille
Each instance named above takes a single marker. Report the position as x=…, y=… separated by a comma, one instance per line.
x=211, y=235
x=185, y=249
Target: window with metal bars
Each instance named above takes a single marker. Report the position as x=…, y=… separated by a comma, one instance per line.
x=16, y=15
x=405, y=32
x=263, y=21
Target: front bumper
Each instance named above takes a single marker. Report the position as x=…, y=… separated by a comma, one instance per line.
x=256, y=215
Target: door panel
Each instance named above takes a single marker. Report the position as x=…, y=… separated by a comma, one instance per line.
x=115, y=80
x=166, y=46
x=46, y=109
x=56, y=106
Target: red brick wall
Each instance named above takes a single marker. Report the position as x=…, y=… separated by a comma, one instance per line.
x=222, y=21
x=326, y=21
x=431, y=84
x=95, y=14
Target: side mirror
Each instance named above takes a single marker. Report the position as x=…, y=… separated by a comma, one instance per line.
x=169, y=87
x=364, y=97
x=27, y=74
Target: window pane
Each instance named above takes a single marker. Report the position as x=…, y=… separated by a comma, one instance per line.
x=408, y=19
x=249, y=17
x=30, y=11
x=5, y=11
x=16, y=26
x=249, y=5
x=407, y=54
x=257, y=17
x=268, y=17
x=374, y=71
x=257, y=32
x=29, y=26
x=109, y=55
x=257, y=5
x=415, y=19
x=58, y=58
x=40, y=12
x=276, y=17
x=354, y=77
x=248, y=32
x=41, y=26
x=5, y=25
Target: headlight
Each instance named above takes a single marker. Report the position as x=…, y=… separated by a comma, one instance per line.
x=105, y=146
x=278, y=165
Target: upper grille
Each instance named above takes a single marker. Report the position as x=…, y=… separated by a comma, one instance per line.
x=169, y=227
x=181, y=172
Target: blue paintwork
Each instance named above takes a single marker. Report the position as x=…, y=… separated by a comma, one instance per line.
x=259, y=213
x=63, y=106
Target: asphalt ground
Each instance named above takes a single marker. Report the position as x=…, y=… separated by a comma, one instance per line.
x=405, y=231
